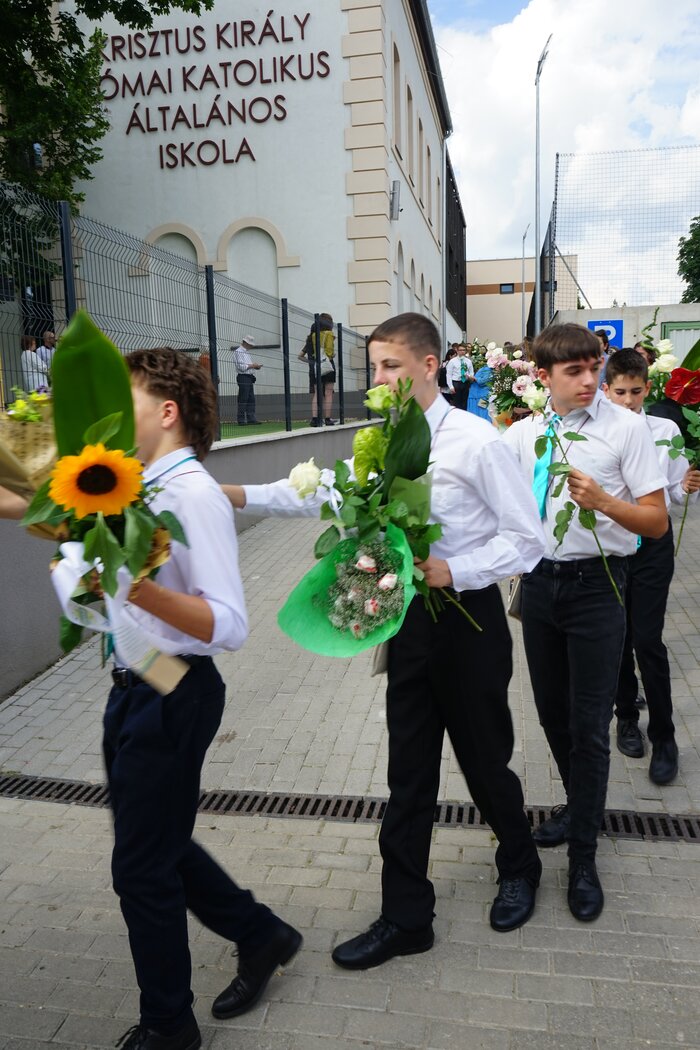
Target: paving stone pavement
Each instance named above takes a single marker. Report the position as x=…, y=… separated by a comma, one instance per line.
x=297, y=722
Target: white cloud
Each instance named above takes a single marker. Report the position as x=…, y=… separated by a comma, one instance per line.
x=619, y=75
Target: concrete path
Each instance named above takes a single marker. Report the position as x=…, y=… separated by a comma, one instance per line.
x=297, y=722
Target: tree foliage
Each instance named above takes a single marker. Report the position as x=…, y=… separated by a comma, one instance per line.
x=52, y=114
x=689, y=262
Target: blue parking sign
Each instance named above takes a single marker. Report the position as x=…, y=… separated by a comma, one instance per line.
x=613, y=330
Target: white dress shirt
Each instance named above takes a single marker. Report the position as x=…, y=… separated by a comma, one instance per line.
x=208, y=567
x=618, y=453
x=243, y=361
x=674, y=469
x=489, y=517
x=453, y=370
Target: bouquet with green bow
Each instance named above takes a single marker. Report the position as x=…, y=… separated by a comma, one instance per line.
x=379, y=513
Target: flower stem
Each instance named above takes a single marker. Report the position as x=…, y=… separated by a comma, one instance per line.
x=593, y=530
x=472, y=621
x=685, y=515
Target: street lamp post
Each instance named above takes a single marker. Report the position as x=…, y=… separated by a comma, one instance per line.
x=522, y=287
x=540, y=64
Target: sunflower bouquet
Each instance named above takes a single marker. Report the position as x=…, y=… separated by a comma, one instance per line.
x=358, y=594
x=95, y=497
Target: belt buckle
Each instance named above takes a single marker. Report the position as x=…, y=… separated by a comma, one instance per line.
x=120, y=677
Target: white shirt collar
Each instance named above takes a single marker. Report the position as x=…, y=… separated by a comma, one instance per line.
x=166, y=463
x=437, y=412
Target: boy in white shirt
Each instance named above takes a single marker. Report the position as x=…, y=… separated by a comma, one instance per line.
x=573, y=623
x=650, y=574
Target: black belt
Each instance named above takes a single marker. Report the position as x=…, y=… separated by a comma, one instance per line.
x=124, y=677
x=571, y=568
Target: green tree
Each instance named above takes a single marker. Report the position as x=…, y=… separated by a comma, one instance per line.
x=52, y=113
x=689, y=262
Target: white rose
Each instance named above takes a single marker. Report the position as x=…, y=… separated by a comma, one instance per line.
x=664, y=346
x=490, y=346
x=664, y=363
x=305, y=478
x=517, y=354
x=535, y=397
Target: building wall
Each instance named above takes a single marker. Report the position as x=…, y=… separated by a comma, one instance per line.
x=495, y=315
x=679, y=322
x=284, y=183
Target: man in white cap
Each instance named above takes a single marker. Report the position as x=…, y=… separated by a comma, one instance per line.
x=245, y=367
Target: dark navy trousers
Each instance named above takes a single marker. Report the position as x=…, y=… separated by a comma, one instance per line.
x=154, y=747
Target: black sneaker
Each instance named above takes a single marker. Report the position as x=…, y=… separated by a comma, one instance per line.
x=329, y=422
x=315, y=422
x=629, y=738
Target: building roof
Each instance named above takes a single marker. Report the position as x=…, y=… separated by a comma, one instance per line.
x=421, y=19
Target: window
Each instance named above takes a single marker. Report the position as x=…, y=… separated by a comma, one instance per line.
x=507, y=289
x=409, y=132
x=397, y=100
x=439, y=210
x=420, y=160
x=429, y=185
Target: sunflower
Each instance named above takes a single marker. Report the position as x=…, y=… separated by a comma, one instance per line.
x=99, y=479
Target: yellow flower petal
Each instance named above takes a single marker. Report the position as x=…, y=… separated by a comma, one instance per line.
x=99, y=479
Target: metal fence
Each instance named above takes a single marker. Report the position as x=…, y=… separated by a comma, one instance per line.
x=142, y=295
x=617, y=220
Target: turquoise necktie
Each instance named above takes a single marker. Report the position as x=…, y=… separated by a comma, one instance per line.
x=540, y=478
x=463, y=369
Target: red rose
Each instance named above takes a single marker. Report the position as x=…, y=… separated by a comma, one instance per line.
x=683, y=386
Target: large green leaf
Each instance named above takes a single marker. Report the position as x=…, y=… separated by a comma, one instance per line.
x=100, y=542
x=167, y=519
x=692, y=358
x=138, y=534
x=90, y=382
x=408, y=454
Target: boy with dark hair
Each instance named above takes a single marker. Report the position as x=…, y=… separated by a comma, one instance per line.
x=490, y=530
x=573, y=623
x=650, y=575
x=154, y=745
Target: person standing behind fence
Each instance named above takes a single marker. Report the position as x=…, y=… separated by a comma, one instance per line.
x=328, y=375
x=47, y=349
x=245, y=367
x=35, y=374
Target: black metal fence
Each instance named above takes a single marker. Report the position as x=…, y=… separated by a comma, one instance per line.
x=141, y=295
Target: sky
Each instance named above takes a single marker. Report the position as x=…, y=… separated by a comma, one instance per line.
x=620, y=74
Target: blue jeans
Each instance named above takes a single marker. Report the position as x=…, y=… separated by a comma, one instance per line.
x=574, y=632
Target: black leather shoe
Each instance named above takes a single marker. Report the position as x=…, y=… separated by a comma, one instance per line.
x=663, y=767
x=585, y=894
x=514, y=904
x=630, y=740
x=254, y=971
x=140, y=1038
x=554, y=830
x=382, y=941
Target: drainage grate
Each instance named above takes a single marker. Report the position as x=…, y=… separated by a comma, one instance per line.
x=346, y=808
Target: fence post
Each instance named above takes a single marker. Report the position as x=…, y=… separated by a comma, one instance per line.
x=341, y=378
x=318, y=369
x=211, y=329
x=285, y=366
x=367, y=372
x=67, y=259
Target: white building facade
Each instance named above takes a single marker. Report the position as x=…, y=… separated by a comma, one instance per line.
x=272, y=144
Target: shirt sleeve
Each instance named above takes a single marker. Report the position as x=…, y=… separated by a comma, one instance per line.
x=518, y=542
x=209, y=566
x=639, y=465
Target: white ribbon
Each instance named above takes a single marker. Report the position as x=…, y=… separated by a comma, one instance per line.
x=133, y=645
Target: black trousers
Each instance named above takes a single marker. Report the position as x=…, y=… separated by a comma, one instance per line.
x=574, y=630
x=461, y=394
x=154, y=747
x=445, y=676
x=246, y=398
x=650, y=575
